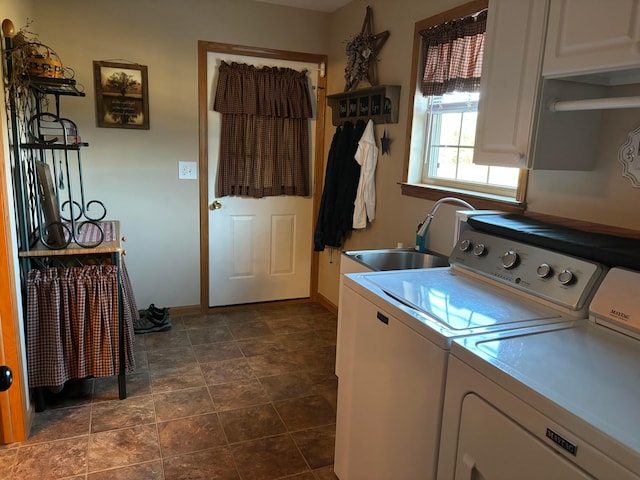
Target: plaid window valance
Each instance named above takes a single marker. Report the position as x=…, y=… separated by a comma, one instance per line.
x=452, y=55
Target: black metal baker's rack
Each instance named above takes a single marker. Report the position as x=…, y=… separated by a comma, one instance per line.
x=51, y=202
x=56, y=222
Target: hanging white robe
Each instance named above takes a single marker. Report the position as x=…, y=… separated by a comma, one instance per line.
x=367, y=157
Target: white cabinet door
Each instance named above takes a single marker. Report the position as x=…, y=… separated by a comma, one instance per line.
x=390, y=395
x=586, y=36
x=510, y=79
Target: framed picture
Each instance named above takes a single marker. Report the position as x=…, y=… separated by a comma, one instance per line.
x=122, y=95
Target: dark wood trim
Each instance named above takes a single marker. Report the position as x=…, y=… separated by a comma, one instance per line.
x=204, y=48
x=523, y=183
x=460, y=11
x=249, y=306
x=203, y=168
x=318, y=175
x=480, y=202
x=185, y=310
x=585, y=225
x=15, y=414
x=328, y=304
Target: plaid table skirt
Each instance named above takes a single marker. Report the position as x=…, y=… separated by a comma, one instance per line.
x=72, y=323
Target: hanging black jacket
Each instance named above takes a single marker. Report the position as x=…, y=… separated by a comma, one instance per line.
x=335, y=218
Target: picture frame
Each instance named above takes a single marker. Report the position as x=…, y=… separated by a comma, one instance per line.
x=122, y=95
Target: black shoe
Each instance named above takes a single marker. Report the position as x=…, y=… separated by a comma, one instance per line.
x=146, y=325
x=156, y=310
x=157, y=319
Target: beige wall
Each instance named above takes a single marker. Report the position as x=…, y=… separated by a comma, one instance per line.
x=135, y=172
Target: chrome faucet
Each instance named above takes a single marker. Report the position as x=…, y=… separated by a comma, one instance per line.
x=424, y=226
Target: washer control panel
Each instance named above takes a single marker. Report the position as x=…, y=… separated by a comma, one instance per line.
x=554, y=276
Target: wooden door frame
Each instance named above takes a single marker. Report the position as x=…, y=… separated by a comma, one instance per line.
x=14, y=403
x=204, y=48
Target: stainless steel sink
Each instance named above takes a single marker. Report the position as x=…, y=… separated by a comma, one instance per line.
x=397, y=259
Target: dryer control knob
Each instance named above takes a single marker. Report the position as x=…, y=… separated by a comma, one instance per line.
x=479, y=250
x=544, y=270
x=465, y=245
x=509, y=259
x=565, y=277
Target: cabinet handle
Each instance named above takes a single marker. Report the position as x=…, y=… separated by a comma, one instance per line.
x=383, y=318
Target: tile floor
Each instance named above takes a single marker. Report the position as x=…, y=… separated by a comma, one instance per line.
x=243, y=395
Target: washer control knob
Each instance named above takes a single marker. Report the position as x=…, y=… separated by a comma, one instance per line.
x=509, y=259
x=544, y=270
x=479, y=250
x=565, y=277
x=465, y=245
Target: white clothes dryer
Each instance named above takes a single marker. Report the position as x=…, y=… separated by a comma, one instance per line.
x=554, y=402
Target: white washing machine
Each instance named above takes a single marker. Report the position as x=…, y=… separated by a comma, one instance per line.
x=558, y=402
x=396, y=329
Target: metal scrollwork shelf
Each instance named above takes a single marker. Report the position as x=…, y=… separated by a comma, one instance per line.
x=61, y=208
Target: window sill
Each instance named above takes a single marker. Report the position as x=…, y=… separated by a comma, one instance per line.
x=479, y=200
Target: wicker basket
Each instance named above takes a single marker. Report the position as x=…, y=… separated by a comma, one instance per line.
x=43, y=62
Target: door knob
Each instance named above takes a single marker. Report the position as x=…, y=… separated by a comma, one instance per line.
x=215, y=205
x=6, y=378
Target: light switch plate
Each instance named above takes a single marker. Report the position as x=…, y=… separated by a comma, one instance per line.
x=187, y=170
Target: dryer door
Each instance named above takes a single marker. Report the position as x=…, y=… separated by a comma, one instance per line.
x=493, y=447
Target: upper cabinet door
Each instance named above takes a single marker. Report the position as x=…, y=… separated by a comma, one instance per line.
x=510, y=81
x=586, y=36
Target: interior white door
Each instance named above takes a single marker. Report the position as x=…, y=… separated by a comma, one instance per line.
x=259, y=249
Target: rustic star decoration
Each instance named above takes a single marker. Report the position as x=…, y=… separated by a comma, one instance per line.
x=362, y=51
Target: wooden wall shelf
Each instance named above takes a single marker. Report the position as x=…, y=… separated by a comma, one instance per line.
x=379, y=104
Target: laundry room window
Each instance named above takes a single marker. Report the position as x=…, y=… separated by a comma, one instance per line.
x=448, y=52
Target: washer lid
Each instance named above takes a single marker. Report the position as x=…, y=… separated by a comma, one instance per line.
x=458, y=302
x=589, y=371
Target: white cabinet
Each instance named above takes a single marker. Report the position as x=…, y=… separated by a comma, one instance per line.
x=587, y=36
x=591, y=47
x=510, y=81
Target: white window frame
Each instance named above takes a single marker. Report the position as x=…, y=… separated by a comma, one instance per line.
x=429, y=167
